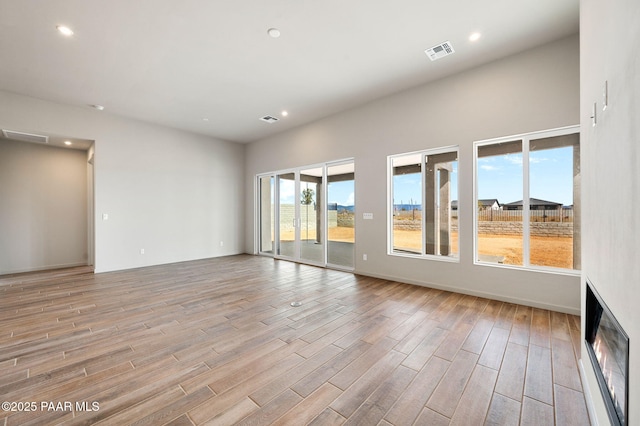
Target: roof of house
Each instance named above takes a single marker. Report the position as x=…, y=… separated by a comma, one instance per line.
x=488, y=202
x=534, y=202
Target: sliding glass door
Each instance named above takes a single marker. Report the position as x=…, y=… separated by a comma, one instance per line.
x=266, y=226
x=307, y=215
x=288, y=228
x=341, y=236
x=311, y=220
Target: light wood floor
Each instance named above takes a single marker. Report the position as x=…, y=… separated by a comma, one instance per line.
x=217, y=342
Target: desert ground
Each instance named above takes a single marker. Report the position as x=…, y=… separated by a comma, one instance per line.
x=545, y=251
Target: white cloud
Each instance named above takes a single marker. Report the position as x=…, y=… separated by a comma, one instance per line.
x=514, y=159
x=488, y=167
x=350, y=200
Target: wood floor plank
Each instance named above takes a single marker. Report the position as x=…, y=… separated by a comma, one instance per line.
x=282, y=383
x=565, y=371
x=493, y=351
x=216, y=341
x=571, y=407
x=444, y=399
x=410, y=403
x=538, y=382
x=431, y=418
x=311, y=382
x=349, y=401
x=536, y=413
x=476, y=398
x=503, y=412
x=311, y=406
x=540, y=328
x=276, y=408
x=376, y=406
x=419, y=357
x=521, y=328
x=511, y=377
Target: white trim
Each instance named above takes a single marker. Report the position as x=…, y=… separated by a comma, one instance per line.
x=390, y=204
x=525, y=138
x=472, y=292
x=586, y=390
x=297, y=219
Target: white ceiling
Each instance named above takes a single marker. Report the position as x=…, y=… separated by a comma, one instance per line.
x=178, y=62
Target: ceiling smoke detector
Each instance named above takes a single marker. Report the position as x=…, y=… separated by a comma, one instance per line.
x=440, y=51
x=269, y=119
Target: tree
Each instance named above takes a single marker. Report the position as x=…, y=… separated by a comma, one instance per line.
x=306, y=199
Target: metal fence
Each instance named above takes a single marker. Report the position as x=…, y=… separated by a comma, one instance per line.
x=488, y=215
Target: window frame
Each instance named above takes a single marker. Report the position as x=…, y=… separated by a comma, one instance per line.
x=525, y=138
x=390, y=204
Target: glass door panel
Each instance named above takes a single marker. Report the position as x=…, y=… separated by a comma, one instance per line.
x=341, y=215
x=311, y=221
x=266, y=189
x=287, y=217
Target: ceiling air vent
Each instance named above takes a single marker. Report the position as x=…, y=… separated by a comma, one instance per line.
x=24, y=137
x=269, y=119
x=440, y=51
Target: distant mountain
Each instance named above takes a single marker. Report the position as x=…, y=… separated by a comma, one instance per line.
x=338, y=207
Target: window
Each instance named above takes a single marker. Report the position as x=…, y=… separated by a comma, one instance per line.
x=423, y=203
x=527, y=198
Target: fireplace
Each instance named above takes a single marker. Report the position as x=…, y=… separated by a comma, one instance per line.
x=608, y=347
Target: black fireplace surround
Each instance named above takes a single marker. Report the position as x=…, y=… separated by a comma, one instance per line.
x=608, y=347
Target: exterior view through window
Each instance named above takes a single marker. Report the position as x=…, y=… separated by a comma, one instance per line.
x=423, y=204
x=528, y=200
x=307, y=214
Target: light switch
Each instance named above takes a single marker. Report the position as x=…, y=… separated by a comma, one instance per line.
x=105, y=216
x=367, y=216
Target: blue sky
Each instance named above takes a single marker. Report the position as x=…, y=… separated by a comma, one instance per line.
x=408, y=187
x=341, y=193
x=500, y=177
x=551, y=179
x=550, y=171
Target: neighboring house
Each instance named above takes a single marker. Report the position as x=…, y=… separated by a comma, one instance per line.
x=489, y=204
x=534, y=204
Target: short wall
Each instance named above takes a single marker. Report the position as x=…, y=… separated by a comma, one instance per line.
x=539, y=229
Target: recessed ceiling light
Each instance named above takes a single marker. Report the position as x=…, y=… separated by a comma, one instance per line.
x=284, y=113
x=68, y=143
x=273, y=32
x=205, y=119
x=65, y=30
x=98, y=107
x=474, y=37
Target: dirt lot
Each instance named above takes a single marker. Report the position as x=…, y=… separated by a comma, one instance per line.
x=339, y=233
x=545, y=251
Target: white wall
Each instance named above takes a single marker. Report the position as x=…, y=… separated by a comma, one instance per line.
x=43, y=207
x=534, y=90
x=173, y=193
x=610, y=42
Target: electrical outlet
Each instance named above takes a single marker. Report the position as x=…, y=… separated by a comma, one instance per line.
x=141, y=251
x=364, y=257
x=221, y=243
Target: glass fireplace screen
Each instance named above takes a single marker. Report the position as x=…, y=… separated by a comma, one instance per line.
x=608, y=347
